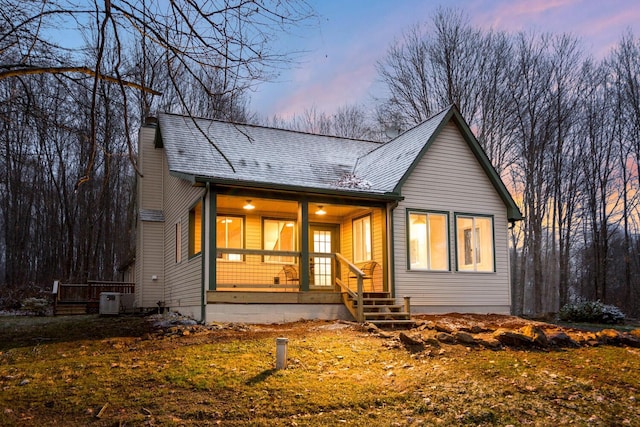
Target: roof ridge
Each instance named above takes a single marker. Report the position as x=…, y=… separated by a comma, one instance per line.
x=261, y=126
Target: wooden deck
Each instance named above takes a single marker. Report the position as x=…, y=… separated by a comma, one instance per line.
x=84, y=298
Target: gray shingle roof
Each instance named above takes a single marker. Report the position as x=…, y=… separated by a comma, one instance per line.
x=385, y=166
x=258, y=154
x=268, y=156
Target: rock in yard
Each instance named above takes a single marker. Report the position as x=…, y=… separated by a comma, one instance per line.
x=463, y=337
x=489, y=342
x=562, y=340
x=609, y=336
x=445, y=338
x=536, y=334
x=630, y=340
x=410, y=339
x=513, y=339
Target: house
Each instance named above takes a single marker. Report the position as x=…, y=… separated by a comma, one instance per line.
x=247, y=223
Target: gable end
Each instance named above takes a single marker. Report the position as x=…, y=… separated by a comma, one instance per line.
x=513, y=212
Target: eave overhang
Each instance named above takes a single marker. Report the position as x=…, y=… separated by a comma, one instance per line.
x=297, y=189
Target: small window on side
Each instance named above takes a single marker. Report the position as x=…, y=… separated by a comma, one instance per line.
x=195, y=229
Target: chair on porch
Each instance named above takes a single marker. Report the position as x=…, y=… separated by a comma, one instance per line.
x=290, y=274
x=368, y=268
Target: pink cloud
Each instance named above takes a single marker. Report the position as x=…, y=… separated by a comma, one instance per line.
x=517, y=15
x=346, y=86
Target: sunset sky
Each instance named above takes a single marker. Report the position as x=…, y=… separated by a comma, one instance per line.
x=349, y=36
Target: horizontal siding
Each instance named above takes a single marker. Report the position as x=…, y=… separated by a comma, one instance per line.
x=152, y=256
x=138, y=266
x=151, y=163
x=449, y=178
x=183, y=280
x=150, y=235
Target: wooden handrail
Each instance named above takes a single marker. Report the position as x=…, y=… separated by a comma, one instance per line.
x=360, y=289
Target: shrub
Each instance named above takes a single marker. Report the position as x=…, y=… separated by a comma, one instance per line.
x=591, y=311
x=37, y=306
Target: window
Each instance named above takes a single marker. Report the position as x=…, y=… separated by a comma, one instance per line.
x=195, y=229
x=229, y=234
x=362, y=239
x=474, y=242
x=178, y=242
x=279, y=235
x=428, y=241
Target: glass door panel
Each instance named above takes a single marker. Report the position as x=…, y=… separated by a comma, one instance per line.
x=324, y=239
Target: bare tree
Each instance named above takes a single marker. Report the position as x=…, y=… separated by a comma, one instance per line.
x=228, y=40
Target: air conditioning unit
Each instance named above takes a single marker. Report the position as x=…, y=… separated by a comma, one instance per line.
x=109, y=303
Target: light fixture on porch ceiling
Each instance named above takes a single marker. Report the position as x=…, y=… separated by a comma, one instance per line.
x=248, y=206
x=320, y=211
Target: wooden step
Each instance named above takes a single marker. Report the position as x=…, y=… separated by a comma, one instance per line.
x=383, y=308
x=374, y=295
x=70, y=309
x=376, y=301
x=388, y=316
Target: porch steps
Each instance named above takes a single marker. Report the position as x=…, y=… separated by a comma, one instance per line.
x=381, y=310
x=68, y=309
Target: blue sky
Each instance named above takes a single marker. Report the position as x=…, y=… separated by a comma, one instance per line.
x=349, y=36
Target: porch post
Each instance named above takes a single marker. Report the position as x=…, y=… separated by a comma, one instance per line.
x=211, y=237
x=303, y=230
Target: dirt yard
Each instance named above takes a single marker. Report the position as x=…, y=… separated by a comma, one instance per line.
x=449, y=370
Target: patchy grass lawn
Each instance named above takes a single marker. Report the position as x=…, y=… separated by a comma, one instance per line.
x=92, y=371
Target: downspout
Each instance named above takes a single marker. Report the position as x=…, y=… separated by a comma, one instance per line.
x=205, y=220
x=390, y=248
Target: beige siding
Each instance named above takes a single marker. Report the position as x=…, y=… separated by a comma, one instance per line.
x=151, y=163
x=449, y=178
x=184, y=285
x=149, y=287
x=149, y=239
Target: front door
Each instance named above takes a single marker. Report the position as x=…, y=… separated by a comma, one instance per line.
x=324, y=240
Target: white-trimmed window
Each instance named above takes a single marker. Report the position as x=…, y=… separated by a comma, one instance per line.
x=474, y=241
x=279, y=235
x=362, y=239
x=428, y=236
x=229, y=235
x=178, y=235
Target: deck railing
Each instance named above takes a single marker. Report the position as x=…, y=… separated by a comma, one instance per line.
x=90, y=291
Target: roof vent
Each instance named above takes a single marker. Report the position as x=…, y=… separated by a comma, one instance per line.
x=392, y=131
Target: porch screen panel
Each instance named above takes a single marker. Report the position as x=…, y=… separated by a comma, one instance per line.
x=279, y=235
x=362, y=239
x=229, y=231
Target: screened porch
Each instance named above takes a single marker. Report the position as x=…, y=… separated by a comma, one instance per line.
x=277, y=246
